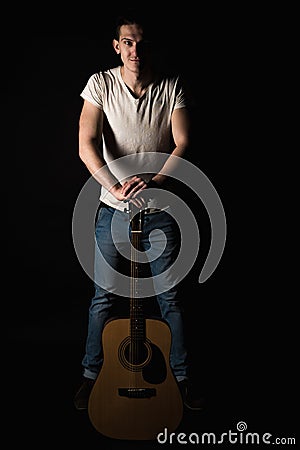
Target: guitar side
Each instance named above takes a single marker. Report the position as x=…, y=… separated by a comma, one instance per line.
x=135, y=402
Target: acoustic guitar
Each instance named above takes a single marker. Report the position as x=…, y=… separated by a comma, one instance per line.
x=136, y=395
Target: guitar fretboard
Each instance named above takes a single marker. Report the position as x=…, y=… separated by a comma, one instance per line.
x=137, y=320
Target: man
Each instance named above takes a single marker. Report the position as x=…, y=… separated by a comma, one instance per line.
x=133, y=111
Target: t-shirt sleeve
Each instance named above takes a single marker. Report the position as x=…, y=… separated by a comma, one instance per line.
x=92, y=91
x=180, y=95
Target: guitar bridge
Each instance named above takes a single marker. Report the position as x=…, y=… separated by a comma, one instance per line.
x=137, y=392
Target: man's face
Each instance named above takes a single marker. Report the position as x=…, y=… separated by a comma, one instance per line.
x=134, y=51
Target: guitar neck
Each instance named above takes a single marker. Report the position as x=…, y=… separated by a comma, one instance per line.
x=137, y=319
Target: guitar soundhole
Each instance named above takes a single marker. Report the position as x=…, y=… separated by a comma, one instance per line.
x=134, y=355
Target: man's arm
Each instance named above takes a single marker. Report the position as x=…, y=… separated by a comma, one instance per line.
x=90, y=140
x=181, y=127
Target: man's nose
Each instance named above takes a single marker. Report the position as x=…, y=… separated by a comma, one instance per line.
x=134, y=49
x=137, y=49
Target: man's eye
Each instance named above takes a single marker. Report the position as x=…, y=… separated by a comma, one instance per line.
x=127, y=42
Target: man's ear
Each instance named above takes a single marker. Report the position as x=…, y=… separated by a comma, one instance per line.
x=116, y=46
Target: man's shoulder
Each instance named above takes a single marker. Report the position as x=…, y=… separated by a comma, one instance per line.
x=106, y=73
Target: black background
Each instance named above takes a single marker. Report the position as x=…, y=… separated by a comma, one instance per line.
x=241, y=321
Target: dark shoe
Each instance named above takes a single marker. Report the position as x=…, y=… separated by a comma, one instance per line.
x=189, y=401
x=81, y=399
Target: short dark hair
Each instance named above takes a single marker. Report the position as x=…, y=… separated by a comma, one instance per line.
x=131, y=17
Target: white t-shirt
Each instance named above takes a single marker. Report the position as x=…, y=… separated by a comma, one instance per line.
x=133, y=126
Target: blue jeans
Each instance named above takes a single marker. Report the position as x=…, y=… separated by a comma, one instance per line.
x=104, y=300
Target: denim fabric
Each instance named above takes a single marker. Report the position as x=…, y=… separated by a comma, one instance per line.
x=103, y=303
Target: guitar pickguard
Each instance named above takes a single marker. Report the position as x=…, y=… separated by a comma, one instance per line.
x=155, y=371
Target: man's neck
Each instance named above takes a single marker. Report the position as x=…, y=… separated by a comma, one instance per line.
x=137, y=82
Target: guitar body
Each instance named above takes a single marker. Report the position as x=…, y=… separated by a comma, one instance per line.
x=136, y=394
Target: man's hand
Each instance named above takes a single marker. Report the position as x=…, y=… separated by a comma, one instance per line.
x=133, y=187
x=131, y=191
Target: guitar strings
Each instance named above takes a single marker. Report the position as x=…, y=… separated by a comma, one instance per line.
x=134, y=342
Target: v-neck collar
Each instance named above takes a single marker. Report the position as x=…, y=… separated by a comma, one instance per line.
x=128, y=90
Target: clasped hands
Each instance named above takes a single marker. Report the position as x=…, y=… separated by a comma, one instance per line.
x=132, y=191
